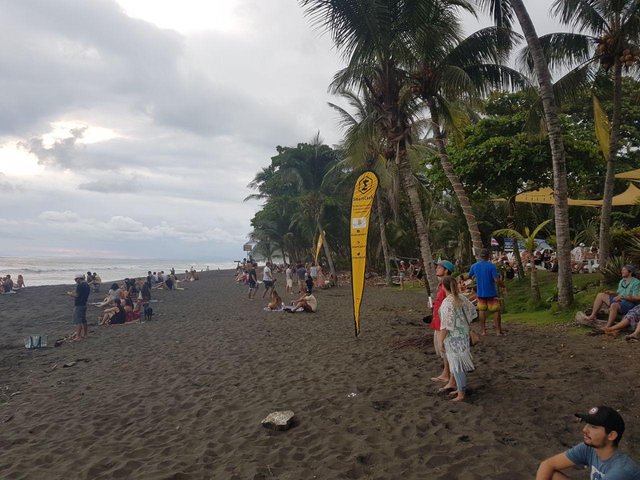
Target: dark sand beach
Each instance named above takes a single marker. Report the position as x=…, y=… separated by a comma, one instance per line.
x=182, y=397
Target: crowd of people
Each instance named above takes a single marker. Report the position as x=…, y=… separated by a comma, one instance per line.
x=300, y=280
x=125, y=303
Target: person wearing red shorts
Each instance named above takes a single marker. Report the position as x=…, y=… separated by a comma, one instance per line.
x=487, y=281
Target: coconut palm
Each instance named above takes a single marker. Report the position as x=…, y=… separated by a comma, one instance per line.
x=608, y=43
x=503, y=12
x=376, y=39
x=363, y=146
x=528, y=240
x=446, y=73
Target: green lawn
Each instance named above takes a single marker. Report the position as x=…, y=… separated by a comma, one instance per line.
x=518, y=307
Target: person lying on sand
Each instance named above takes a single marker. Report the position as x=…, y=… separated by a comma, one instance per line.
x=599, y=451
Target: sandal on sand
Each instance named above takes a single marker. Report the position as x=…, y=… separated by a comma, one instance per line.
x=438, y=379
x=595, y=333
x=631, y=339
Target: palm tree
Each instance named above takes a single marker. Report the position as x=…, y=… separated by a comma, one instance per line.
x=376, y=38
x=503, y=12
x=610, y=46
x=528, y=240
x=463, y=70
x=363, y=146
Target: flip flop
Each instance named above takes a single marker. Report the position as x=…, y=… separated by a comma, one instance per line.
x=631, y=339
x=437, y=379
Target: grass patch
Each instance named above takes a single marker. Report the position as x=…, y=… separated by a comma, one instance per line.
x=518, y=306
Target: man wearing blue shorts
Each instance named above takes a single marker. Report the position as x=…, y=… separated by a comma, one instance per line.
x=599, y=451
x=80, y=307
x=486, y=276
x=620, y=302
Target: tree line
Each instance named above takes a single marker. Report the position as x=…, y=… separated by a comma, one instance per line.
x=448, y=126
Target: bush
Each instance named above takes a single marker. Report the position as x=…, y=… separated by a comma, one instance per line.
x=611, y=271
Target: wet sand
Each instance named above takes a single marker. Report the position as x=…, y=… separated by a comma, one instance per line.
x=182, y=397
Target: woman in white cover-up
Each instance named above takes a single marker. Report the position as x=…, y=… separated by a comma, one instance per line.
x=456, y=313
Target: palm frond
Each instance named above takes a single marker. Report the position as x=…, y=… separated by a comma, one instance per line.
x=491, y=44
x=582, y=15
x=562, y=51
x=500, y=10
x=575, y=82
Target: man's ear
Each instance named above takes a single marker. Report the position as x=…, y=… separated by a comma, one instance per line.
x=612, y=436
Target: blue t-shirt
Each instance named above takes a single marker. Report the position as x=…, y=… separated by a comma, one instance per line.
x=486, y=275
x=619, y=467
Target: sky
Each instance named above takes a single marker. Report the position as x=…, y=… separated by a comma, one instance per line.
x=131, y=128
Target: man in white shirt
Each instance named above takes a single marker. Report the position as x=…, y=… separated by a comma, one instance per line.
x=267, y=279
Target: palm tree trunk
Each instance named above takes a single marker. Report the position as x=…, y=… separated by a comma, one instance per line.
x=552, y=120
x=535, y=289
x=384, y=242
x=516, y=249
x=461, y=195
x=411, y=188
x=327, y=252
x=609, y=179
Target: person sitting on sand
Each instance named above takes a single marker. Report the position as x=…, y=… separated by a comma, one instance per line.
x=131, y=314
x=306, y=303
x=194, y=275
x=599, y=451
x=95, y=282
x=8, y=284
x=630, y=320
x=275, y=303
x=456, y=314
x=19, y=283
x=114, y=292
x=115, y=314
x=619, y=302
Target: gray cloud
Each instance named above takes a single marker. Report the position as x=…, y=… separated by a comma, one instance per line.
x=197, y=116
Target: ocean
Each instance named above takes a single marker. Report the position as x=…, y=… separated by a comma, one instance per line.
x=61, y=270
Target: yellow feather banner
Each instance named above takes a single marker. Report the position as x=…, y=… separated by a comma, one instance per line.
x=363, y=194
x=319, y=246
x=603, y=127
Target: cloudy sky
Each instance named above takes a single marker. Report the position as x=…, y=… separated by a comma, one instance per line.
x=131, y=128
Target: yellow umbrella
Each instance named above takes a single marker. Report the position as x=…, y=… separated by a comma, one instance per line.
x=630, y=175
x=630, y=196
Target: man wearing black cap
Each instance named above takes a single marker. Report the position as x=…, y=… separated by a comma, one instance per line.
x=599, y=451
